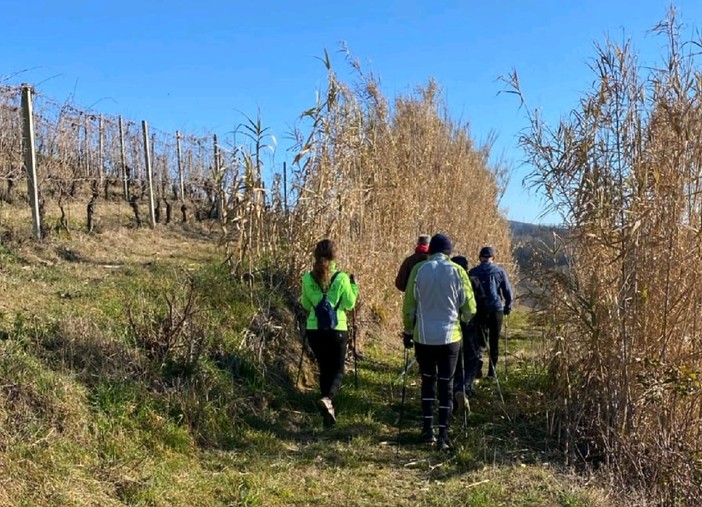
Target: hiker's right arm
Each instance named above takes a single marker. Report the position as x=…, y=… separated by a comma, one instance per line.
x=469, y=306
x=349, y=292
x=506, y=290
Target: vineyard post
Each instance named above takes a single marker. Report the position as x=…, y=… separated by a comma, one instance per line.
x=86, y=148
x=101, y=151
x=156, y=178
x=123, y=155
x=189, y=165
x=147, y=160
x=30, y=158
x=200, y=160
x=218, y=182
x=180, y=168
x=161, y=167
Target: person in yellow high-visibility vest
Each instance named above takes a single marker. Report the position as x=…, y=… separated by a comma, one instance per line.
x=327, y=294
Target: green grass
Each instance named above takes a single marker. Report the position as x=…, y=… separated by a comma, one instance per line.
x=88, y=417
x=358, y=462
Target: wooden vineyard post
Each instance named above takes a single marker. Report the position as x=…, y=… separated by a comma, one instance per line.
x=123, y=155
x=219, y=191
x=101, y=151
x=30, y=158
x=147, y=160
x=179, y=154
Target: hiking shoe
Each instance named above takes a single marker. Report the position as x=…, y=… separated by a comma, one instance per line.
x=459, y=402
x=443, y=443
x=427, y=436
x=327, y=410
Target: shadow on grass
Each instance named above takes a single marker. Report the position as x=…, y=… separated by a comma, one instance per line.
x=505, y=425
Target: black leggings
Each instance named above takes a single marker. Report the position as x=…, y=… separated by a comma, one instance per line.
x=329, y=348
x=470, y=361
x=490, y=324
x=435, y=359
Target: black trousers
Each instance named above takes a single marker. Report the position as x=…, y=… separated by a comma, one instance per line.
x=437, y=364
x=469, y=360
x=329, y=349
x=490, y=325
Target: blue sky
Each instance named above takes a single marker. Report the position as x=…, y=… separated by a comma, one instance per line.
x=197, y=66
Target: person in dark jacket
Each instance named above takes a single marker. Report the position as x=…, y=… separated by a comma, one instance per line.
x=469, y=361
x=421, y=253
x=494, y=302
x=328, y=345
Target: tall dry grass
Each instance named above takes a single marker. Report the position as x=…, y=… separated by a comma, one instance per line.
x=624, y=172
x=373, y=173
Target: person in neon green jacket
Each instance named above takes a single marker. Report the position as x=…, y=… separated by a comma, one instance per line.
x=329, y=345
x=438, y=298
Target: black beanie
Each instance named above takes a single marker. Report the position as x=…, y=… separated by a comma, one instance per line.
x=461, y=261
x=440, y=243
x=487, y=251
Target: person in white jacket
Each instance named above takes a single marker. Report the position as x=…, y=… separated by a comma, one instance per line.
x=438, y=297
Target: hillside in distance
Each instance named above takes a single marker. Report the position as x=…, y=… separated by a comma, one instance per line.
x=536, y=245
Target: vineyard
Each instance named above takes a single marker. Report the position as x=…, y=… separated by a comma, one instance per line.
x=82, y=158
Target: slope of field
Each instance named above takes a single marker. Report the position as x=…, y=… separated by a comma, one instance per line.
x=103, y=403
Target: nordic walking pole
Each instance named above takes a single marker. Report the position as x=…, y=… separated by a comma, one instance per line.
x=354, y=331
x=506, y=331
x=465, y=418
x=302, y=352
x=299, y=365
x=402, y=402
x=405, y=371
x=354, y=336
x=499, y=390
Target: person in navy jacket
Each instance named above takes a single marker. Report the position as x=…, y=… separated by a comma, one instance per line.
x=494, y=301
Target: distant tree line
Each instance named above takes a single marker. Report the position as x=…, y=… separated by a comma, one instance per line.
x=537, y=246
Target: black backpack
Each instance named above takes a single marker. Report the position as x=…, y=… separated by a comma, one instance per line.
x=478, y=292
x=325, y=312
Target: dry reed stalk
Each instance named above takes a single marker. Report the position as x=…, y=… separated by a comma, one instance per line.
x=623, y=170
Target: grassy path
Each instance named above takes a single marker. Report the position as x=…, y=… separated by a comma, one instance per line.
x=501, y=456
x=73, y=433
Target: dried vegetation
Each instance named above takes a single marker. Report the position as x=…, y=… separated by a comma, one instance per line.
x=373, y=174
x=624, y=171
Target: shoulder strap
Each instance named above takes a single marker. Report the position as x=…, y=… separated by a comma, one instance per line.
x=330, y=281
